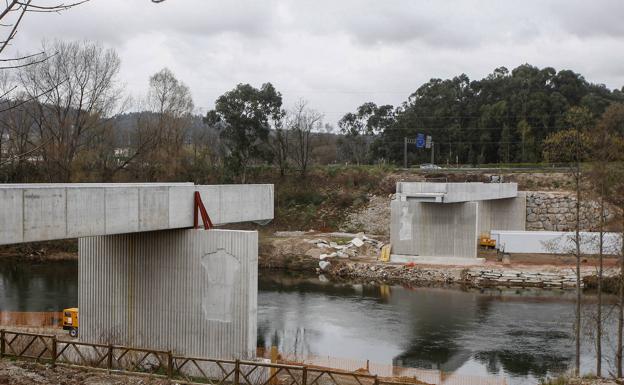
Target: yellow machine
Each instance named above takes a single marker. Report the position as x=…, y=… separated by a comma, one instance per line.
x=385, y=253
x=487, y=242
x=70, y=321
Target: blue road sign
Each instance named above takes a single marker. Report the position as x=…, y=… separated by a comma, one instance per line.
x=420, y=141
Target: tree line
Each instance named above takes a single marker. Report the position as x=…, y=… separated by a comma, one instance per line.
x=502, y=118
x=66, y=119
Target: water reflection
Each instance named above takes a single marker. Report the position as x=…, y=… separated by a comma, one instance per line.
x=524, y=334
x=38, y=287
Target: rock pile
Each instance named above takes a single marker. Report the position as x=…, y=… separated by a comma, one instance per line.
x=394, y=274
x=520, y=278
x=373, y=218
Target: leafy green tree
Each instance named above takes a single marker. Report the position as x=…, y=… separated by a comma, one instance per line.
x=245, y=117
x=505, y=116
x=359, y=128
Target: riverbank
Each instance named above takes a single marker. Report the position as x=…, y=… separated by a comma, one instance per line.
x=354, y=257
x=62, y=250
x=582, y=381
x=336, y=256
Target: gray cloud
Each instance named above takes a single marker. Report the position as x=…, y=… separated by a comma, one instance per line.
x=338, y=54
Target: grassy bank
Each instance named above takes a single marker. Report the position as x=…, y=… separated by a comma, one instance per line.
x=60, y=250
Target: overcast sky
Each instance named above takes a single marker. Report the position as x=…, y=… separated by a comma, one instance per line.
x=338, y=54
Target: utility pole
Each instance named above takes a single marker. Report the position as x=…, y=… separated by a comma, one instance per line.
x=404, y=152
x=432, y=152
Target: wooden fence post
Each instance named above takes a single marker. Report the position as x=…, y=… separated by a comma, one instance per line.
x=273, y=371
x=376, y=380
x=109, y=361
x=304, y=376
x=54, y=350
x=169, y=364
x=237, y=372
x=2, y=344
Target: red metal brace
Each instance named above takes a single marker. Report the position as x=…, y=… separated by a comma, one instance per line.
x=199, y=207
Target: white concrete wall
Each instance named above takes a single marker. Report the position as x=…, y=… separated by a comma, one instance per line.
x=193, y=292
x=555, y=242
x=46, y=212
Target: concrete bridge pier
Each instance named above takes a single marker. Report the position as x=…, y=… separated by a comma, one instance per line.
x=441, y=222
x=193, y=292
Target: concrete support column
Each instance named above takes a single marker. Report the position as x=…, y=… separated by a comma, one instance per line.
x=193, y=292
x=434, y=230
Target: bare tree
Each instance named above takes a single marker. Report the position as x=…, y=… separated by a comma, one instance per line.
x=165, y=126
x=608, y=175
x=301, y=121
x=605, y=148
x=13, y=13
x=77, y=92
x=571, y=146
x=281, y=141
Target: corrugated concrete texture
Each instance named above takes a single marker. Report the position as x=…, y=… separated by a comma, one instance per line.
x=193, y=292
x=555, y=242
x=38, y=212
x=508, y=214
x=455, y=192
x=434, y=230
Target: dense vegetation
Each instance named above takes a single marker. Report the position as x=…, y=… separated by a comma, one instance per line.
x=502, y=118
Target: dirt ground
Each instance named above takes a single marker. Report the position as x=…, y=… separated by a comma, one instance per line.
x=28, y=373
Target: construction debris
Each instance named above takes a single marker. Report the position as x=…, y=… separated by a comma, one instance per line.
x=332, y=249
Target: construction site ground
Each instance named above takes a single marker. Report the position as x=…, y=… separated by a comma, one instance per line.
x=13, y=372
x=307, y=251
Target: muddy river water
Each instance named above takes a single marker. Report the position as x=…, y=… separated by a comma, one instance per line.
x=522, y=335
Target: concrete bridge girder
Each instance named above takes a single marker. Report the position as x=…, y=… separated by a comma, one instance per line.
x=31, y=213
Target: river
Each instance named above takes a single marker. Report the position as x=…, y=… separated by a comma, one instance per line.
x=523, y=335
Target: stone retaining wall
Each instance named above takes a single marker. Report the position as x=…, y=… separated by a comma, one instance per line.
x=521, y=279
x=556, y=211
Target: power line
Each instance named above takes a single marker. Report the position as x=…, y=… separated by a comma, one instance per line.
x=470, y=142
x=424, y=128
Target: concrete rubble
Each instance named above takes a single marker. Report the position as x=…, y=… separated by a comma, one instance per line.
x=347, y=250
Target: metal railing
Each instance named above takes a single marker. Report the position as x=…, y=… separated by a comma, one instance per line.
x=164, y=364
